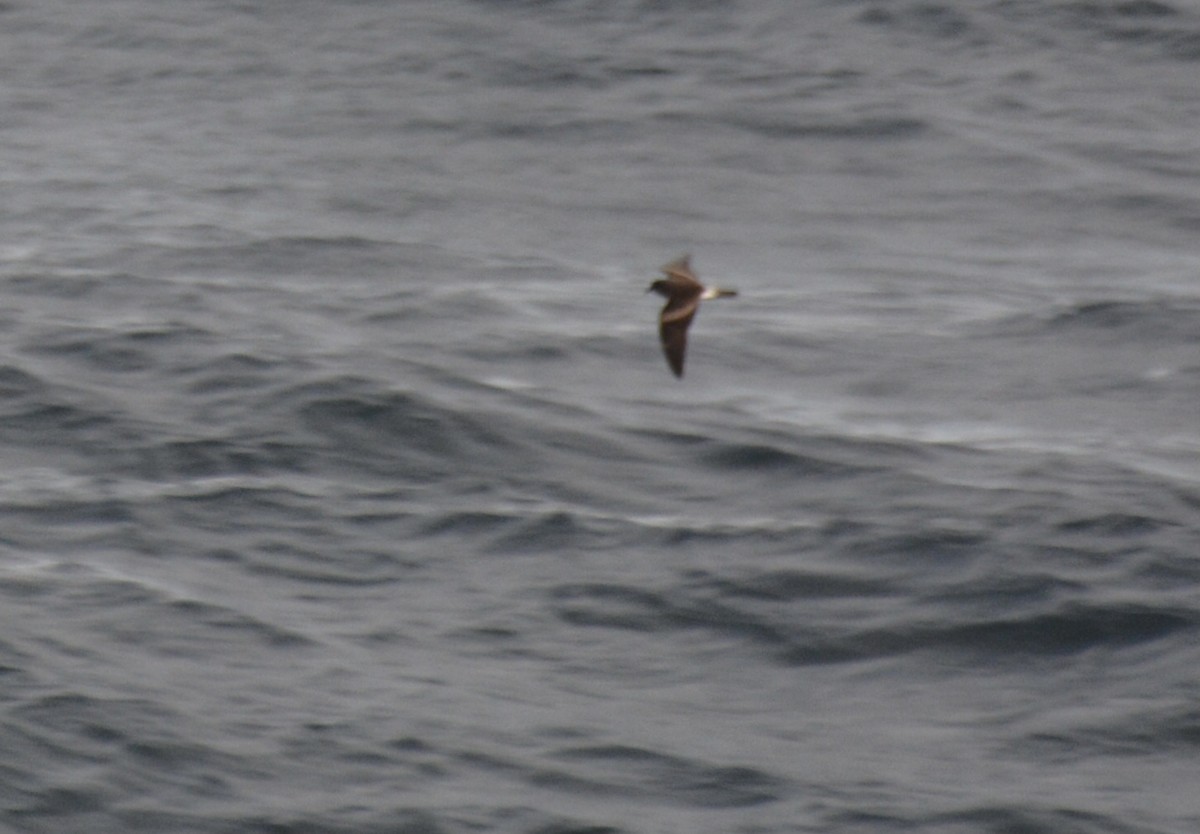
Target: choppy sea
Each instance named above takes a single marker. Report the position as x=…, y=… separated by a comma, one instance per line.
x=344, y=487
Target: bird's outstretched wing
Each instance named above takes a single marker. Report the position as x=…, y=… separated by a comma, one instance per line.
x=672, y=329
x=680, y=270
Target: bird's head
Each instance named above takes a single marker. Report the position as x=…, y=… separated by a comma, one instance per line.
x=662, y=287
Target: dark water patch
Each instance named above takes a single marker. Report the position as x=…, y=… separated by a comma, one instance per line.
x=568, y=827
x=1024, y=820
x=1182, y=46
x=1170, y=570
x=132, y=615
x=138, y=617
x=862, y=821
x=436, y=310
x=626, y=607
x=1002, y=593
x=1072, y=630
x=237, y=508
x=333, y=258
x=233, y=373
x=214, y=457
x=138, y=733
x=541, y=70
x=129, y=746
x=1147, y=318
x=764, y=457
x=12, y=676
x=947, y=547
x=80, y=589
x=54, y=285
x=70, y=513
x=312, y=255
x=1147, y=323
x=98, y=726
x=335, y=745
x=672, y=437
x=131, y=351
x=1179, y=726
x=1112, y=524
x=466, y=523
x=1189, y=498
x=797, y=536
x=78, y=728
x=1150, y=207
x=16, y=383
x=610, y=606
x=1143, y=29
x=725, y=607
x=62, y=801
x=872, y=453
x=936, y=20
x=334, y=564
x=1138, y=733
x=777, y=454
x=1144, y=8
x=52, y=418
x=167, y=755
x=58, y=424
x=231, y=625
x=399, y=431
x=497, y=640
x=522, y=353
x=880, y=128
x=346, y=820
x=1159, y=29
x=557, y=531
x=623, y=770
x=792, y=585
x=554, y=130
x=10, y=655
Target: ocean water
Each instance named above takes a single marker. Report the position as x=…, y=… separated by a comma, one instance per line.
x=344, y=487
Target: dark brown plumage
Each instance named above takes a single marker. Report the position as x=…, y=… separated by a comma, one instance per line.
x=684, y=294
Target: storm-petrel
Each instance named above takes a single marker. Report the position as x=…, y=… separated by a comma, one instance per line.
x=684, y=294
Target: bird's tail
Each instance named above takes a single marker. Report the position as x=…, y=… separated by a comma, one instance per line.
x=717, y=292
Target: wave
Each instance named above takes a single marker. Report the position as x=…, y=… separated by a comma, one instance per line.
x=127, y=349
x=1026, y=817
x=125, y=609
x=1161, y=29
x=635, y=772
x=381, y=430
x=1149, y=29
x=1146, y=322
x=871, y=128
x=1068, y=629
x=1147, y=730
x=274, y=256
x=1151, y=321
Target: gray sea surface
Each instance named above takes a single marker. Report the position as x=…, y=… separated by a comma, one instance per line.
x=344, y=487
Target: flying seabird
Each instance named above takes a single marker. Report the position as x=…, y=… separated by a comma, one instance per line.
x=684, y=294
